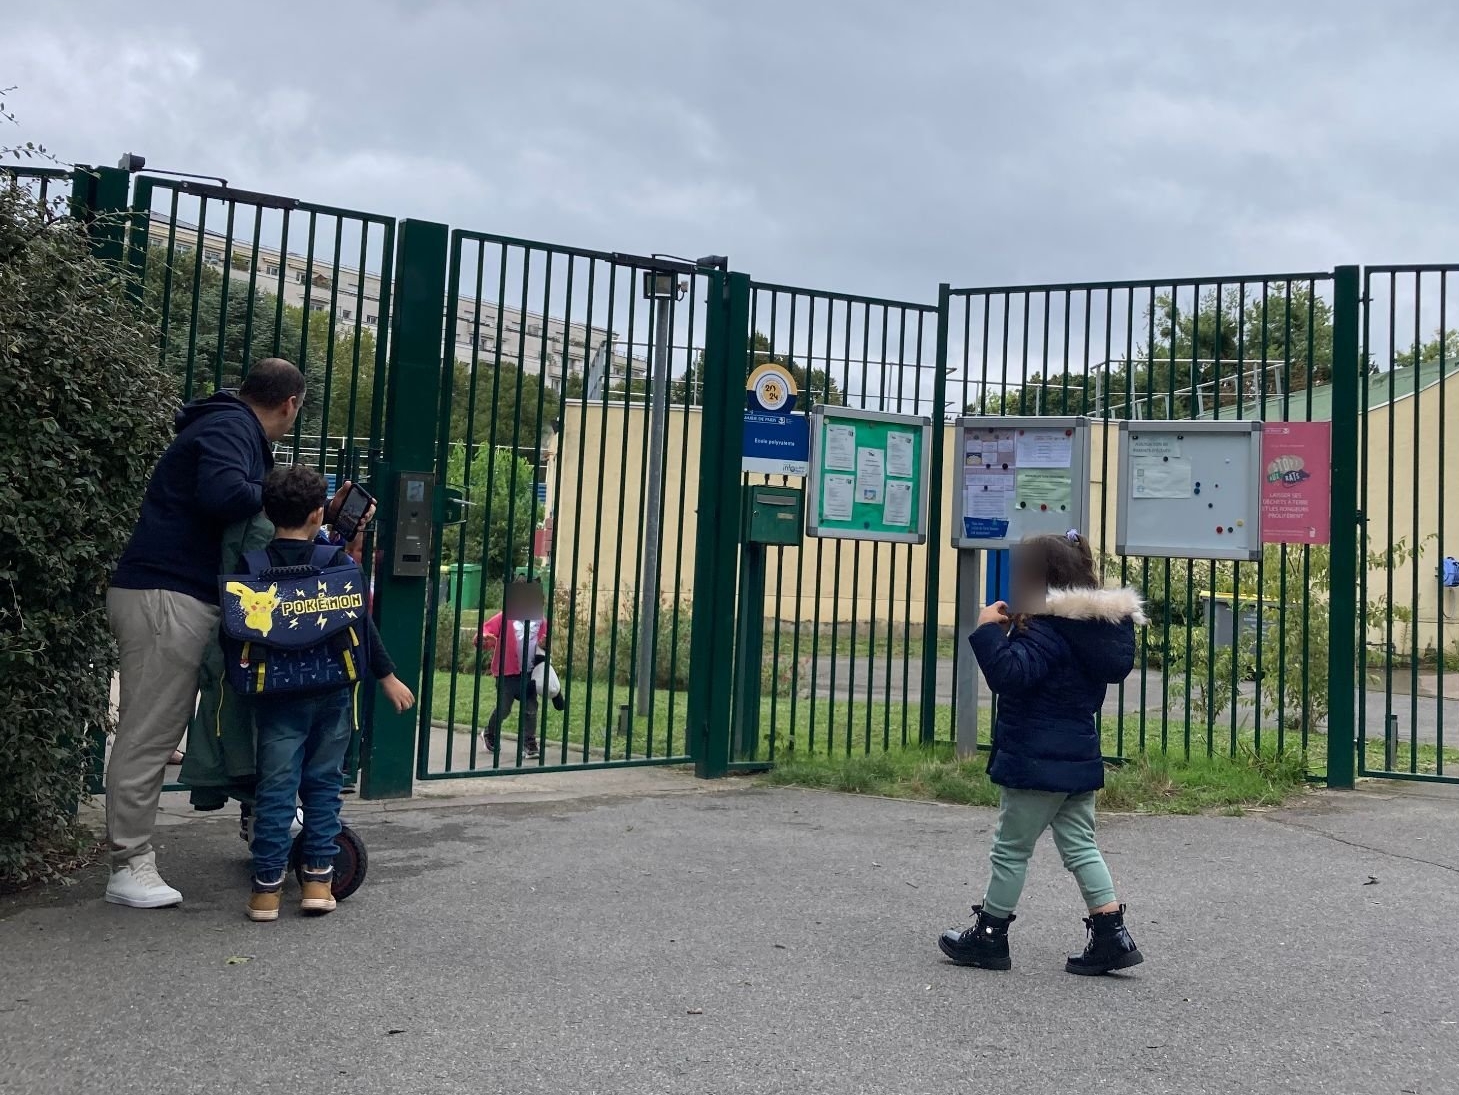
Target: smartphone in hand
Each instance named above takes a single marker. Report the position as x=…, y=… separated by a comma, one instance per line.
x=352, y=511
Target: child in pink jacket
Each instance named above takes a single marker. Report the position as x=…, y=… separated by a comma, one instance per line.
x=515, y=642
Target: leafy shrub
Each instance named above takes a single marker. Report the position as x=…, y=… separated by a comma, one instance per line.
x=86, y=409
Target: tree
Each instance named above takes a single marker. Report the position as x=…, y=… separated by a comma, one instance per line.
x=510, y=408
x=1235, y=347
x=1065, y=394
x=87, y=410
x=502, y=513
x=1444, y=346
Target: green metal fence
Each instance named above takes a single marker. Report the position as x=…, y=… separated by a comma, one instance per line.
x=233, y=276
x=833, y=635
x=1235, y=657
x=581, y=393
x=567, y=421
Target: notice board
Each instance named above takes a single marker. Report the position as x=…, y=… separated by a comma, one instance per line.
x=869, y=475
x=1019, y=477
x=1190, y=490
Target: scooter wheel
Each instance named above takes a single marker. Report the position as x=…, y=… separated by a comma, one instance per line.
x=351, y=862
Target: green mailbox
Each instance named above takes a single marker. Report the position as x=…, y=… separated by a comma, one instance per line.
x=775, y=515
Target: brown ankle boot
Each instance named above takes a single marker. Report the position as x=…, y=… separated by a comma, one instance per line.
x=318, y=892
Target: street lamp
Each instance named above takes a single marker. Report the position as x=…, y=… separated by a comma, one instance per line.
x=663, y=287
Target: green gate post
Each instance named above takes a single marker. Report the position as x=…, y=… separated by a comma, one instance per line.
x=931, y=611
x=412, y=402
x=717, y=532
x=100, y=200
x=1342, y=649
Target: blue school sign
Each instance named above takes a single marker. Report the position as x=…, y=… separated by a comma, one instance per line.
x=776, y=439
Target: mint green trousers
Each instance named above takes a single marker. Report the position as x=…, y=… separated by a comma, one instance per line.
x=1022, y=818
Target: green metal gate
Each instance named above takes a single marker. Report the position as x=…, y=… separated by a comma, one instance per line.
x=568, y=417
x=1408, y=701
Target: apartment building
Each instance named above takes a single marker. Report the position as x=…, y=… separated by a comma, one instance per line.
x=486, y=332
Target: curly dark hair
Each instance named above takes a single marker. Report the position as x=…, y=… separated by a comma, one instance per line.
x=291, y=493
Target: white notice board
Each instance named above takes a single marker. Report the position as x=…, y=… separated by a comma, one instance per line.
x=1190, y=490
x=1019, y=477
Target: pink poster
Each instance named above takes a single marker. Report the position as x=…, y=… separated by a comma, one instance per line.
x=1296, y=459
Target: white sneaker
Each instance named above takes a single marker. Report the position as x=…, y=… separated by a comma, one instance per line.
x=136, y=883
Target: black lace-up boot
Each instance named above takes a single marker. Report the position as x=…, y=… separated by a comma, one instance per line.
x=984, y=945
x=1109, y=948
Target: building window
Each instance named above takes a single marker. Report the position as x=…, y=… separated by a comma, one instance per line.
x=485, y=342
x=345, y=313
x=272, y=271
x=372, y=319
x=534, y=329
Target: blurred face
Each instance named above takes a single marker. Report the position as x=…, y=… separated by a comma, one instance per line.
x=1029, y=583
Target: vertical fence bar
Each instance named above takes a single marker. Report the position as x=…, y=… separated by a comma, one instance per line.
x=1342, y=682
x=935, y=502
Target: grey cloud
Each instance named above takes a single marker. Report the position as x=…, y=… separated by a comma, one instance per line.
x=854, y=146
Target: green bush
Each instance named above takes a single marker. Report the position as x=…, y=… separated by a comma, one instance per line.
x=602, y=643
x=455, y=649
x=86, y=411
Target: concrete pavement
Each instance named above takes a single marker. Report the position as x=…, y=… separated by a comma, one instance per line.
x=657, y=937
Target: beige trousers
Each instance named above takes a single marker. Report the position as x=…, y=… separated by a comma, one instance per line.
x=161, y=636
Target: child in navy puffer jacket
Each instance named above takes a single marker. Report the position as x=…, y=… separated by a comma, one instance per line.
x=1051, y=667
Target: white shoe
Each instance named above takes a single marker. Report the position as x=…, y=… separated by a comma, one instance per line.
x=136, y=883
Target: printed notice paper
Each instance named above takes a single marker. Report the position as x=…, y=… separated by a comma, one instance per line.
x=1162, y=478
x=980, y=480
x=899, y=455
x=1044, y=489
x=986, y=504
x=838, y=492
x=871, y=471
x=840, y=448
x=898, y=510
x=1044, y=449
x=1154, y=444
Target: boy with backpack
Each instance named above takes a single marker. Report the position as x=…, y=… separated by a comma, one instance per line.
x=297, y=635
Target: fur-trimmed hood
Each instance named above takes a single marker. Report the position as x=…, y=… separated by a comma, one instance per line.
x=1110, y=606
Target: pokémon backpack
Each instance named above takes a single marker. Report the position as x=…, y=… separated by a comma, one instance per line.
x=293, y=629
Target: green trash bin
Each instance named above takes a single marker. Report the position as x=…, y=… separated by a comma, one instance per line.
x=467, y=586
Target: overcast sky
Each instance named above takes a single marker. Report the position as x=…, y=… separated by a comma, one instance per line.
x=851, y=145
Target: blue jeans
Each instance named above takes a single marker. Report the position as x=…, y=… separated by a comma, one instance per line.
x=302, y=742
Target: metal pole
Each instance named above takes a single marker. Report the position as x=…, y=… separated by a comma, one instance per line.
x=968, y=607
x=648, y=588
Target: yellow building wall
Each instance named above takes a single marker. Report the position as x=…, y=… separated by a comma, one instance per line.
x=1395, y=485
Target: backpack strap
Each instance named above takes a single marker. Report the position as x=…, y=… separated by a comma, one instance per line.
x=323, y=555
x=255, y=562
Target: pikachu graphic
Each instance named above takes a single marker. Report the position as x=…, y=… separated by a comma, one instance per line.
x=258, y=608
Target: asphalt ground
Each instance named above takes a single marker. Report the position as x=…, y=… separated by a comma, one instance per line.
x=663, y=939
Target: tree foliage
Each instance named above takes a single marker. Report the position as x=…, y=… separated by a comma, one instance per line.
x=87, y=409
x=1237, y=345
x=502, y=513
